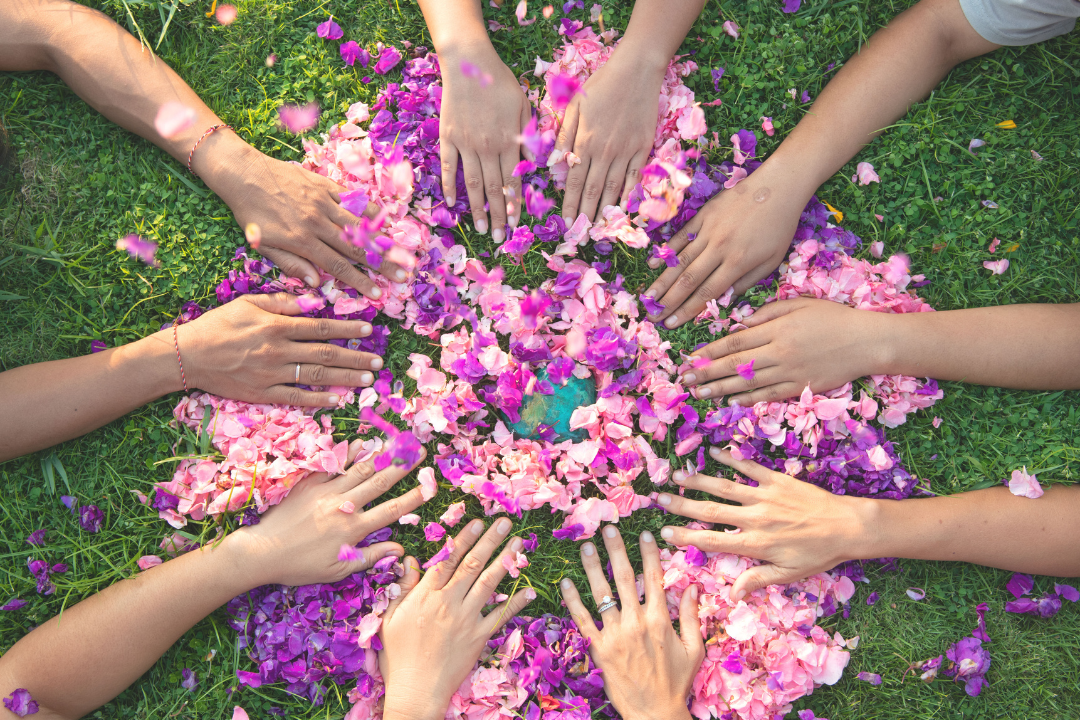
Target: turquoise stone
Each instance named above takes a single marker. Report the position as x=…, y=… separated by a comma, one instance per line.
x=555, y=409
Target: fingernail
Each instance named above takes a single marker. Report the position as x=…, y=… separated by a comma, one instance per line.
x=515, y=544
x=734, y=402
x=566, y=584
x=679, y=476
x=671, y=321
x=689, y=378
x=477, y=527
x=375, y=293
x=647, y=537
x=650, y=293
x=365, y=330
x=654, y=264
x=481, y=226
x=609, y=532
x=530, y=594
x=704, y=392
x=664, y=499
x=588, y=549
x=667, y=533
x=497, y=235
x=740, y=595
x=394, y=552
x=400, y=275
x=715, y=452
x=309, y=281
x=333, y=399
x=376, y=364
x=693, y=592
x=503, y=527
x=512, y=221
x=366, y=378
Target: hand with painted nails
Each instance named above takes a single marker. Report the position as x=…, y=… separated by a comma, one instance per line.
x=648, y=668
x=792, y=343
x=737, y=239
x=249, y=349
x=300, y=541
x=434, y=631
x=797, y=528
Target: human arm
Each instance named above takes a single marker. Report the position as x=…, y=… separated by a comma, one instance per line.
x=434, y=631
x=744, y=233
x=247, y=350
x=481, y=117
x=85, y=657
x=637, y=636
x=611, y=125
x=296, y=210
x=794, y=343
x=798, y=529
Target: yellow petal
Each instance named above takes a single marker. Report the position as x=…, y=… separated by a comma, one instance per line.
x=213, y=8
x=1013, y=248
x=1006, y=125
x=839, y=215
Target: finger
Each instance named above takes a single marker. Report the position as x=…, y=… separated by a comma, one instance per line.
x=633, y=177
x=326, y=329
x=729, y=345
x=291, y=395
x=663, y=287
x=707, y=540
x=704, y=510
x=356, y=474
x=373, y=487
x=474, y=185
x=339, y=266
x=474, y=562
x=442, y=573
x=513, y=198
x=339, y=215
x=578, y=613
x=390, y=511
x=368, y=556
x=480, y=593
x=312, y=374
x=772, y=310
x=652, y=574
x=679, y=241
x=764, y=374
x=613, y=185
x=358, y=255
x=761, y=576
x=449, y=160
x=406, y=583
x=506, y=611
x=717, y=487
x=772, y=393
x=595, y=181
x=277, y=303
x=292, y=265
x=598, y=584
x=575, y=185
x=564, y=143
x=496, y=198
x=333, y=356
x=690, y=626
x=690, y=293
x=749, y=468
x=622, y=570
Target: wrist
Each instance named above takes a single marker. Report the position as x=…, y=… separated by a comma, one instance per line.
x=420, y=703
x=677, y=712
x=221, y=160
x=866, y=536
x=155, y=357
x=475, y=47
x=647, y=57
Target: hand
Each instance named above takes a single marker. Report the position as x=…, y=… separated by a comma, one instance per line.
x=433, y=633
x=648, y=669
x=797, y=528
x=479, y=125
x=610, y=126
x=297, y=542
x=300, y=218
x=248, y=350
x=793, y=343
x=742, y=234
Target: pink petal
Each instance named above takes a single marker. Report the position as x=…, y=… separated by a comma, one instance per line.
x=409, y=519
x=916, y=593
x=148, y=561
x=994, y=245
x=348, y=553
x=253, y=234
x=1024, y=485
x=877, y=248
x=746, y=370
x=309, y=302
x=731, y=29
x=767, y=126
x=864, y=173
x=347, y=507
x=298, y=118
x=329, y=30
x=239, y=713
x=996, y=267
x=428, y=486
x=173, y=118
x=225, y=14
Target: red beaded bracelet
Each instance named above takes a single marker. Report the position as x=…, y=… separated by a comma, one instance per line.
x=176, y=344
x=199, y=142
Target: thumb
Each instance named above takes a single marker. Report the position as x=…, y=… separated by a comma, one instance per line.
x=761, y=576
x=564, y=142
x=406, y=584
x=771, y=311
x=367, y=557
x=277, y=303
x=690, y=626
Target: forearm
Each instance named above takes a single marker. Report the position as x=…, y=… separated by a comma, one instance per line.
x=898, y=66
x=47, y=403
x=987, y=527
x=82, y=659
x=657, y=28
x=456, y=26
x=1031, y=347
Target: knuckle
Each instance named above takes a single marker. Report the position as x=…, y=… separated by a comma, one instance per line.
x=592, y=192
x=474, y=183
x=338, y=266
x=294, y=396
x=687, y=280
x=706, y=291
x=471, y=565
x=611, y=187
x=685, y=257
x=323, y=328
x=573, y=184
x=736, y=342
x=714, y=512
x=383, y=482
x=364, y=469
x=318, y=374
x=326, y=353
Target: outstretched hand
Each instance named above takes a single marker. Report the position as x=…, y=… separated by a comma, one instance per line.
x=298, y=541
x=792, y=343
x=434, y=631
x=798, y=529
x=248, y=349
x=648, y=668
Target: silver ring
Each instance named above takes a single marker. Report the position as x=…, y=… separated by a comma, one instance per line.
x=606, y=603
x=297, y=380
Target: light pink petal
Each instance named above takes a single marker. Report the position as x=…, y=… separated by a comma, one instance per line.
x=239, y=713
x=173, y=118
x=225, y=14
x=731, y=29
x=428, y=486
x=148, y=561
x=996, y=267
x=916, y=593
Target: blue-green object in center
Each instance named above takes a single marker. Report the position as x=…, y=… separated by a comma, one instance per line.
x=555, y=409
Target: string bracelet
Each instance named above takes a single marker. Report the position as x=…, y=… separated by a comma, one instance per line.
x=198, y=142
x=176, y=344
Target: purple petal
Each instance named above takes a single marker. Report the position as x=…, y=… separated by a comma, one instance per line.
x=916, y=593
x=1020, y=585
x=1068, y=592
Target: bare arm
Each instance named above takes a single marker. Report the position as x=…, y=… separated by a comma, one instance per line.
x=106, y=66
x=83, y=658
x=799, y=529
x=744, y=233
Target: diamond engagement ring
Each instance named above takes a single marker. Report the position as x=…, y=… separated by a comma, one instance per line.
x=297, y=380
x=606, y=603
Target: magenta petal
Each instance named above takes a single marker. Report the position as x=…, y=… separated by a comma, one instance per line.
x=872, y=678
x=1020, y=585
x=329, y=30
x=916, y=593
x=746, y=370
x=20, y=703
x=1068, y=592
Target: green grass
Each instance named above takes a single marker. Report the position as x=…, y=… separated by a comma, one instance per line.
x=79, y=183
